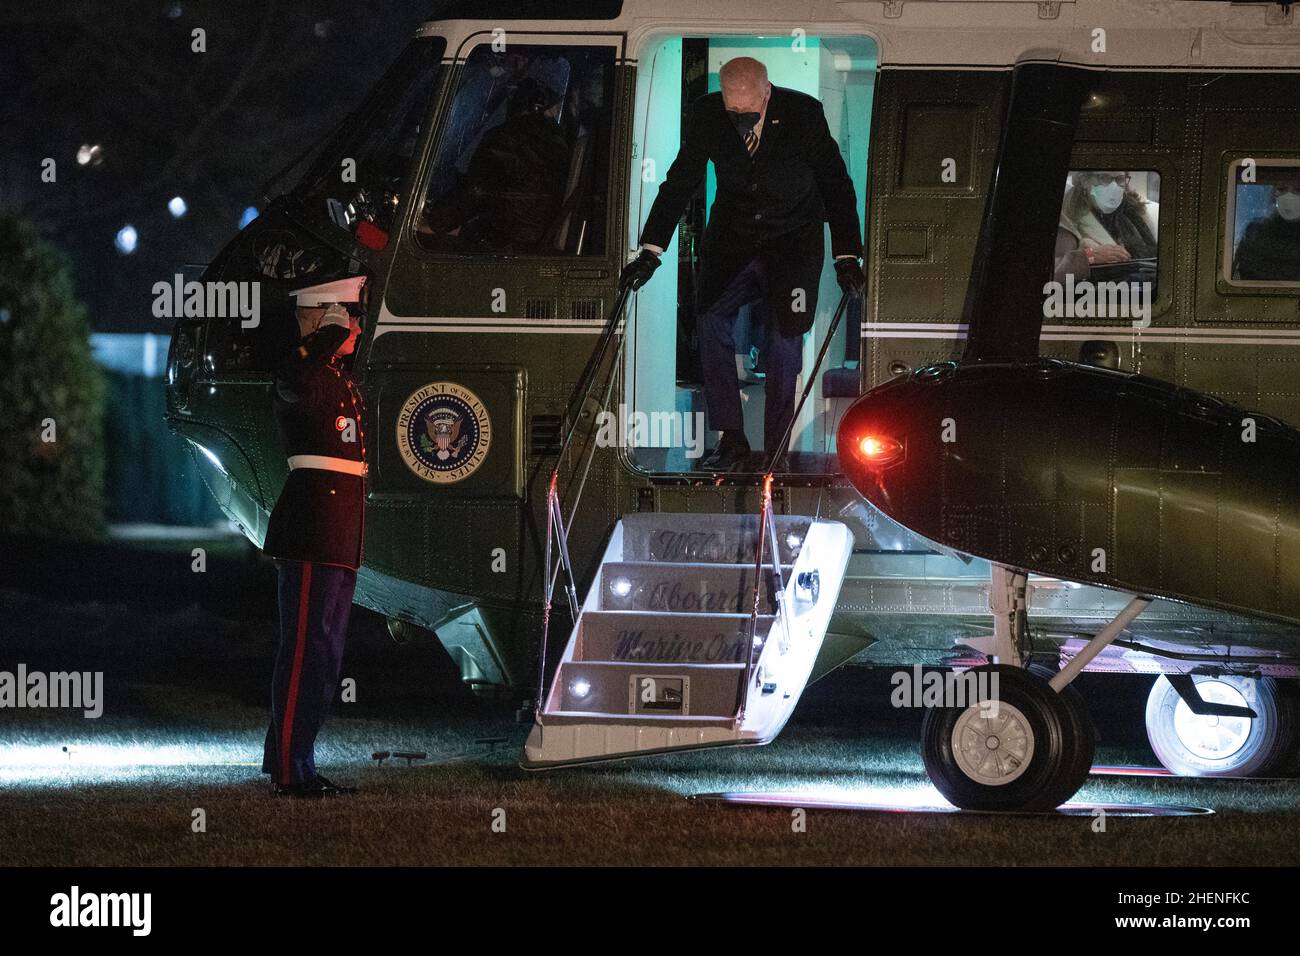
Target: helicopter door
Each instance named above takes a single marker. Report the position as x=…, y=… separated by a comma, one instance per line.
x=663, y=377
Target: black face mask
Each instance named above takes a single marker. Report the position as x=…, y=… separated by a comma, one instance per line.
x=743, y=122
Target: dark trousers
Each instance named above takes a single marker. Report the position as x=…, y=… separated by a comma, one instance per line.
x=782, y=358
x=315, y=604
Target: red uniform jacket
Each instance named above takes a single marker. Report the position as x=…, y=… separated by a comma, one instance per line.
x=320, y=515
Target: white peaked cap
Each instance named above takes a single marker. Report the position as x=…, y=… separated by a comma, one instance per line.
x=345, y=291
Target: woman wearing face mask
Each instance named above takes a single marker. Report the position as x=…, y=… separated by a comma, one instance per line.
x=1113, y=222
x=1270, y=248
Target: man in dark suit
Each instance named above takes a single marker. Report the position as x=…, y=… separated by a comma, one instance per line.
x=315, y=532
x=780, y=175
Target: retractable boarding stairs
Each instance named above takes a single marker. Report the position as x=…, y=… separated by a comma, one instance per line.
x=668, y=652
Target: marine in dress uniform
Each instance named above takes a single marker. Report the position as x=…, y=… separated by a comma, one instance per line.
x=780, y=176
x=315, y=532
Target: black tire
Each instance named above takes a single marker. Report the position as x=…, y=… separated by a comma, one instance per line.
x=1288, y=763
x=1081, y=742
x=1231, y=746
x=1050, y=731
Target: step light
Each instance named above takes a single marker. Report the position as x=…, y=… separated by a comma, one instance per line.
x=621, y=587
x=808, y=586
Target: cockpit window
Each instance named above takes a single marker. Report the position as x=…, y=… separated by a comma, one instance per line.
x=1263, y=243
x=523, y=164
x=358, y=176
x=1107, y=246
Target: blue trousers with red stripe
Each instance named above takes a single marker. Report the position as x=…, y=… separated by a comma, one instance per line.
x=315, y=604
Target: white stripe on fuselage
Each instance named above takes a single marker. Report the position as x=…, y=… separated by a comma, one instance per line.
x=388, y=322
x=1213, y=335
x=1081, y=333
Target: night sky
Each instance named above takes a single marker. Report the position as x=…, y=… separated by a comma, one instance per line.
x=211, y=127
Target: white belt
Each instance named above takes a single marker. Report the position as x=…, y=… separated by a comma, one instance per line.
x=326, y=463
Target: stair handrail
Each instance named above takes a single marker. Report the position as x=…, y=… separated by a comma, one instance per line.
x=767, y=521
x=556, y=532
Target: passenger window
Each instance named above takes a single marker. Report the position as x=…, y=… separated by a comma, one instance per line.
x=1107, y=245
x=358, y=176
x=1263, y=241
x=523, y=164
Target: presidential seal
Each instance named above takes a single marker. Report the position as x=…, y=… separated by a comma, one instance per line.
x=443, y=432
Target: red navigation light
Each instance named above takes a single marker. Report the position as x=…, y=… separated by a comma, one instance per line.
x=879, y=450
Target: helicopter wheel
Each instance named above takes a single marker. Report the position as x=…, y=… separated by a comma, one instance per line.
x=1032, y=752
x=1196, y=746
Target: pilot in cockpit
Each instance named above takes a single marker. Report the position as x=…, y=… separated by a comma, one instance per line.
x=514, y=183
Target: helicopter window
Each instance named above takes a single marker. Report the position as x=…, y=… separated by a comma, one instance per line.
x=359, y=175
x=276, y=260
x=1263, y=247
x=523, y=164
x=1107, y=245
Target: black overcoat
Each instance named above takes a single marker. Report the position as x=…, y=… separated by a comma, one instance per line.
x=771, y=205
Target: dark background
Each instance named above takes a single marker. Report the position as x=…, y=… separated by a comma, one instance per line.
x=213, y=127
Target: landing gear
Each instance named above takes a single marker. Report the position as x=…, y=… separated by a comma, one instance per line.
x=1211, y=746
x=1034, y=749
x=1030, y=748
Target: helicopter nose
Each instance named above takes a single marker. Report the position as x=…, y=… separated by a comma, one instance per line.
x=881, y=439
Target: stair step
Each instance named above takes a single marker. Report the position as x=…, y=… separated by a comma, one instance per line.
x=657, y=659
x=585, y=720
x=711, y=538
x=663, y=637
x=697, y=588
x=647, y=690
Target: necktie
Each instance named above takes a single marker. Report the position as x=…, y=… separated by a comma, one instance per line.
x=751, y=142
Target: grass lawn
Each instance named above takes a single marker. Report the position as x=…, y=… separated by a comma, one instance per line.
x=186, y=691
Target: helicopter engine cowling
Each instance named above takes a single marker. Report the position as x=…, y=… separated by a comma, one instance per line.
x=1090, y=475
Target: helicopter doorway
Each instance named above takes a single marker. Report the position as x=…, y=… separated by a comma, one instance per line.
x=663, y=384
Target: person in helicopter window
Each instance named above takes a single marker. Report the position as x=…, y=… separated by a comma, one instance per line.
x=514, y=183
x=1269, y=250
x=1070, y=259
x=1115, y=225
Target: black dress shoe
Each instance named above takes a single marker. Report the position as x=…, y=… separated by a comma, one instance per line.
x=314, y=789
x=730, y=455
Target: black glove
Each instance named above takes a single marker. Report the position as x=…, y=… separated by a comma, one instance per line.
x=848, y=273
x=638, y=272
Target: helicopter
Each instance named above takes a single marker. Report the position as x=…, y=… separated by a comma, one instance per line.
x=497, y=348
